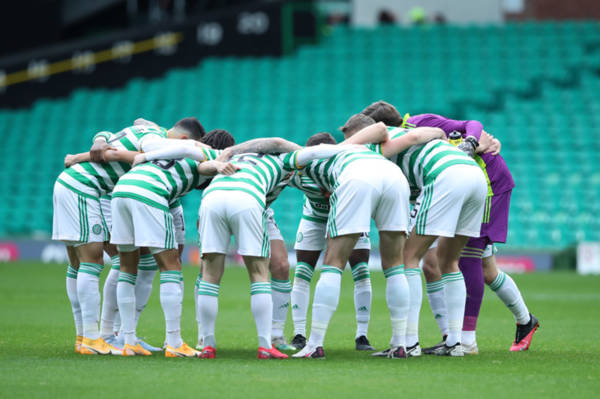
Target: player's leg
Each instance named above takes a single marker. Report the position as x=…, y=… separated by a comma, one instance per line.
x=391, y=245
x=214, y=233
x=71, y=283
x=508, y=292
x=306, y=262
x=435, y=293
x=470, y=266
x=123, y=235
x=351, y=206
x=110, y=307
x=359, y=264
x=327, y=292
x=129, y=258
x=171, y=295
x=449, y=249
x=213, y=266
x=281, y=287
x=391, y=217
x=261, y=304
x=249, y=225
x=415, y=248
x=310, y=241
x=67, y=227
x=466, y=189
x=89, y=250
x=146, y=271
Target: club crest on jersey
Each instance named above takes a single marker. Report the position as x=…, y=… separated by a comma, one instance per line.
x=96, y=229
x=299, y=237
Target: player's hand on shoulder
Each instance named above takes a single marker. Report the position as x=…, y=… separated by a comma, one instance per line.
x=98, y=149
x=225, y=155
x=138, y=159
x=69, y=160
x=227, y=168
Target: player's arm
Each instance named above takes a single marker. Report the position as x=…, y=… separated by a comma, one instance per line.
x=376, y=133
x=212, y=168
x=154, y=143
x=270, y=145
x=182, y=149
x=470, y=129
x=120, y=156
x=299, y=159
x=72, y=159
x=416, y=136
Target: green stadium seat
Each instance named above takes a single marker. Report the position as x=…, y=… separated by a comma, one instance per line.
x=534, y=85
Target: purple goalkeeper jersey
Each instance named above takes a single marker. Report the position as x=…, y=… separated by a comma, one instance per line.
x=494, y=165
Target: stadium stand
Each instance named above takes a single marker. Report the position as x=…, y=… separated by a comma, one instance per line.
x=533, y=85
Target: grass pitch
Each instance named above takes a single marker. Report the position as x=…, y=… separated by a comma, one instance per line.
x=37, y=359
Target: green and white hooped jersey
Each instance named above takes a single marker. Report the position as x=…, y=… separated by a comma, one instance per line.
x=316, y=206
x=422, y=163
x=260, y=174
x=325, y=172
x=94, y=180
x=160, y=183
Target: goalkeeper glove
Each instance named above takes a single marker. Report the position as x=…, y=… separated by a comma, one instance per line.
x=468, y=146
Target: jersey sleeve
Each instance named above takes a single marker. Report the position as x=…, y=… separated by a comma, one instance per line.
x=375, y=148
x=290, y=160
x=210, y=153
x=107, y=135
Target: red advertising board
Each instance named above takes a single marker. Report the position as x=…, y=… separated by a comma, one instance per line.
x=516, y=264
x=8, y=252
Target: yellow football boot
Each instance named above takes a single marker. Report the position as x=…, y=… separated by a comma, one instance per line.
x=135, y=350
x=98, y=347
x=183, y=351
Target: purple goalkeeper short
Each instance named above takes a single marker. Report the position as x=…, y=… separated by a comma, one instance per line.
x=495, y=217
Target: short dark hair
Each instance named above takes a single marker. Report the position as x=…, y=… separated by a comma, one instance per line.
x=218, y=139
x=192, y=127
x=356, y=122
x=385, y=112
x=320, y=138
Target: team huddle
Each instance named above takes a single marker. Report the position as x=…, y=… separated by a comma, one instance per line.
x=437, y=190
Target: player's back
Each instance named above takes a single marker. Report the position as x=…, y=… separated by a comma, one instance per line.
x=161, y=182
x=259, y=175
x=422, y=163
x=326, y=172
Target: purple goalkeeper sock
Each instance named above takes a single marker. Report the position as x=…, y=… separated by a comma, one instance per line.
x=470, y=266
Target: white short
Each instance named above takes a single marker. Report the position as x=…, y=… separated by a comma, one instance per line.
x=272, y=228
x=377, y=190
x=452, y=204
x=179, y=224
x=177, y=213
x=311, y=237
x=490, y=250
x=140, y=225
x=226, y=213
x=77, y=219
x=106, y=212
